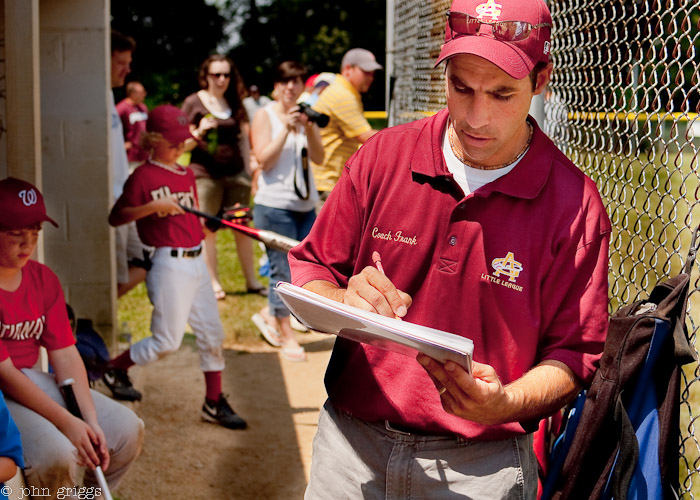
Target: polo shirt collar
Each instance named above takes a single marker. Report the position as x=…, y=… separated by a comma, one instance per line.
x=346, y=83
x=526, y=180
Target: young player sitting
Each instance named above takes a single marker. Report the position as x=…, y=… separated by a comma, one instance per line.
x=33, y=314
x=178, y=283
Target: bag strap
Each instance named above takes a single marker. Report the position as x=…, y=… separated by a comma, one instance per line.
x=305, y=168
x=693, y=252
x=628, y=453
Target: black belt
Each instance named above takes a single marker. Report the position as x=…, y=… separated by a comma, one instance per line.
x=187, y=254
x=402, y=429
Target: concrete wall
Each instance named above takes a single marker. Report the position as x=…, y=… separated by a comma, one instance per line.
x=74, y=62
x=3, y=100
x=55, y=61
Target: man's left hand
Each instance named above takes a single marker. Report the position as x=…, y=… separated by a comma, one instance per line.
x=479, y=397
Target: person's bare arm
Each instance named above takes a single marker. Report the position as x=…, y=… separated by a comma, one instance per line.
x=480, y=397
x=67, y=363
x=363, y=137
x=17, y=386
x=267, y=149
x=8, y=469
x=123, y=214
x=313, y=138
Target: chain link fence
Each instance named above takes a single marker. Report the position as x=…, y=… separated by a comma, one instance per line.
x=622, y=105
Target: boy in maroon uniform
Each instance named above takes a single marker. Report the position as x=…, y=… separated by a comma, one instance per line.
x=33, y=314
x=178, y=282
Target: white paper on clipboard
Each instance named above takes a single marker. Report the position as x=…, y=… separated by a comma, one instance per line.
x=328, y=316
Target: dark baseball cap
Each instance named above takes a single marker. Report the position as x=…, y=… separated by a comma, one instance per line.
x=170, y=122
x=517, y=58
x=21, y=205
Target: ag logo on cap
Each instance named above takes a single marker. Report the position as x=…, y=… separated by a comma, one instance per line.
x=489, y=9
x=28, y=197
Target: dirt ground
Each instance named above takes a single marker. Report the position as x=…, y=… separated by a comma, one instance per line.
x=186, y=458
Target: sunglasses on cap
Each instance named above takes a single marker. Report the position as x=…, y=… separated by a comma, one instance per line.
x=219, y=75
x=504, y=31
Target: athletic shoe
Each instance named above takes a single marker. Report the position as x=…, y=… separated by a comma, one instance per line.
x=118, y=382
x=220, y=412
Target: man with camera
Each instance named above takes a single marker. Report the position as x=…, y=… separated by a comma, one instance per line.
x=347, y=128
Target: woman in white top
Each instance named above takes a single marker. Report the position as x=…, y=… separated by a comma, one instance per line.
x=284, y=142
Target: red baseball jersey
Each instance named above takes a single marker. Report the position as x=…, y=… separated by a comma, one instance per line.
x=133, y=118
x=34, y=315
x=150, y=182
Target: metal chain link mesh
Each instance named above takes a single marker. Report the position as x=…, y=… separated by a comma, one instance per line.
x=622, y=105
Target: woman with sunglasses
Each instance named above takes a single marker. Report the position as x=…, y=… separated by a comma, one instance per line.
x=284, y=141
x=219, y=160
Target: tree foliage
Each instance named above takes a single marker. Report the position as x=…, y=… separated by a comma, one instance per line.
x=173, y=38
x=314, y=32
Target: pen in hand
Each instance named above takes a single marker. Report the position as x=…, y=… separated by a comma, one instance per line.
x=378, y=262
x=376, y=258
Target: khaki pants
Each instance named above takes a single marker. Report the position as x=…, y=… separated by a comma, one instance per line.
x=354, y=459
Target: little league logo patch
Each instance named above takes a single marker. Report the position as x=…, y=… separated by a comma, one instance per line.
x=28, y=197
x=489, y=9
x=506, y=266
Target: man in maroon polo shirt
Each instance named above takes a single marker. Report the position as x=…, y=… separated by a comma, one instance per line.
x=485, y=229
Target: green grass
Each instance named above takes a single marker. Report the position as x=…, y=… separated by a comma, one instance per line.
x=135, y=309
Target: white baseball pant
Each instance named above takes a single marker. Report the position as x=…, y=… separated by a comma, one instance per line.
x=51, y=459
x=180, y=290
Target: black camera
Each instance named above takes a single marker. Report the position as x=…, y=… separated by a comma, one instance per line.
x=314, y=116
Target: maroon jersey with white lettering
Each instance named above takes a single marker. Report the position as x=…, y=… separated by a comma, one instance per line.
x=150, y=182
x=34, y=315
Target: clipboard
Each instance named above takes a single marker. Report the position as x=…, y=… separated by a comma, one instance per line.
x=324, y=315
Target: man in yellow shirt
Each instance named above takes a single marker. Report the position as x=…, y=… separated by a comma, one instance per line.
x=348, y=128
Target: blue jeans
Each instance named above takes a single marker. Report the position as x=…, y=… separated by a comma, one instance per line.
x=353, y=459
x=287, y=223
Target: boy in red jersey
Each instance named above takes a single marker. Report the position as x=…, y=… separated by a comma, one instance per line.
x=178, y=282
x=33, y=314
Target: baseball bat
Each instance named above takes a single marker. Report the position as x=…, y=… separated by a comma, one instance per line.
x=66, y=388
x=269, y=238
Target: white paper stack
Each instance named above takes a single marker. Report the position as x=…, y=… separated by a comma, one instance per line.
x=328, y=316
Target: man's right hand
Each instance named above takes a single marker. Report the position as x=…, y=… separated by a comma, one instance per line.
x=84, y=438
x=370, y=290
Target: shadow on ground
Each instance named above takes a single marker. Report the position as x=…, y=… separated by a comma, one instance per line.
x=185, y=458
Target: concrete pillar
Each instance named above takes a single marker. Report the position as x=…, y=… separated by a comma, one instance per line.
x=22, y=120
x=22, y=98
x=75, y=54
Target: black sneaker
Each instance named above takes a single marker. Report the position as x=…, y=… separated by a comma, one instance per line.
x=118, y=382
x=220, y=412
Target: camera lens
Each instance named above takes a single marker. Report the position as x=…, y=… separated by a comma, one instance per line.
x=314, y=116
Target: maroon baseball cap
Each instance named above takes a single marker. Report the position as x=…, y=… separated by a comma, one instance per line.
x=21, y=205
x=517, y=58
x=170, y=122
